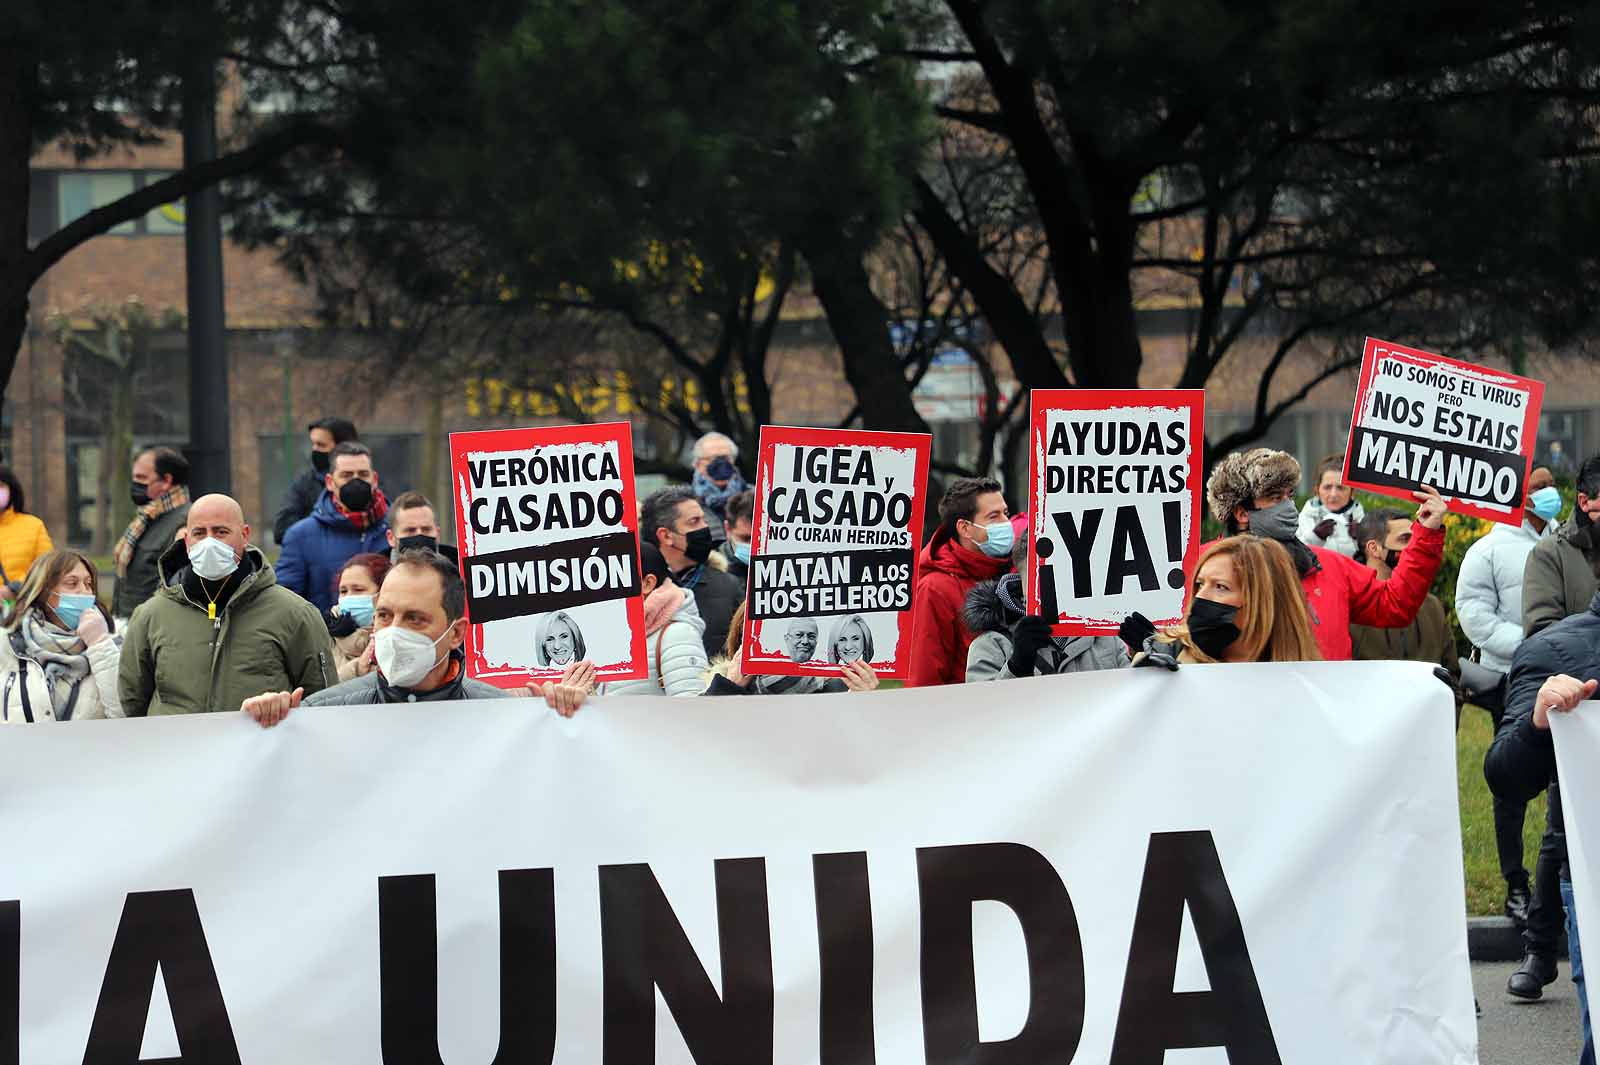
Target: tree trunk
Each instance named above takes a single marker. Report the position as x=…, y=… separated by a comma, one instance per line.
x=16, y=148
x=429, y=478
x=860, y=325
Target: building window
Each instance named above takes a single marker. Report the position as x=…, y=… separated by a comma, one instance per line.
x=166, y=220
x=80, y=191
x=84, y=190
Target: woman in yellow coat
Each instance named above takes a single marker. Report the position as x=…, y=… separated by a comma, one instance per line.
x=22, y=536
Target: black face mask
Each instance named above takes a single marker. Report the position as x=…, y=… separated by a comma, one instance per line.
x=721, y=469
x=1391, y=558
x=321, y=461
x=698, y=547
x=356, y=495
x=140, y=494
x=1211, y=626
x=417, y=543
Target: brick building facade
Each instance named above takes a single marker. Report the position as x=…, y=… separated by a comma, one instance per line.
x=283, y=371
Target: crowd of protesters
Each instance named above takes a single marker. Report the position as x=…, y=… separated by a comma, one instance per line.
x=365, y=604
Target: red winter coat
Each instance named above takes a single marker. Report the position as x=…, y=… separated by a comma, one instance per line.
x=1344, y=592
x=946, y=572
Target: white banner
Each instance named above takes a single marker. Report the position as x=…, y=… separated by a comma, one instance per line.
x=1094, y=868
x=1577, y=739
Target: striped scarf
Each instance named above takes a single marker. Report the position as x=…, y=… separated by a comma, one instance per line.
x=178, y=497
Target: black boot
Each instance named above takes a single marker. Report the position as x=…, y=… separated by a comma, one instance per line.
x=1517, y=900
x=1531, y=977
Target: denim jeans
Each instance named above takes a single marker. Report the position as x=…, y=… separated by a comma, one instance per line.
x=1587, y=1057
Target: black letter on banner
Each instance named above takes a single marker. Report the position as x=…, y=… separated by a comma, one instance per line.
x=950, y=880
x=161, y=929
x=1184, y=867
x=10, y=983
x=844, y=938
x=408, y=968
x=643, y=947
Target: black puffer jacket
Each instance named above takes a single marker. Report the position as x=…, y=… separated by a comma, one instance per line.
x=1521, y=761
x=717, y=594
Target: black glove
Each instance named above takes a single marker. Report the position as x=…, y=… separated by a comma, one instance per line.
x=1156, y=654
x=1029, y=636
x=339, y=625
x=1134, y=631
x=1324, y=528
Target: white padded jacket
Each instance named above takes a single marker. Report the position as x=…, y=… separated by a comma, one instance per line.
x=1489, y=591
x=677, y=658
x=24, y=693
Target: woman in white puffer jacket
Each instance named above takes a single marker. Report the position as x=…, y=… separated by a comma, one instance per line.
x=58, y=657
x=674, y=634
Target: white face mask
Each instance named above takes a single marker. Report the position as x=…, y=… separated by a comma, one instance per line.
x=212, y=559
x=405, y=656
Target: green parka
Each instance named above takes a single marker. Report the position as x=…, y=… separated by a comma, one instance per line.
x=175, y=660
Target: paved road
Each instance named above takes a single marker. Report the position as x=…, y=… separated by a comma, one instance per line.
x=1532, y=1033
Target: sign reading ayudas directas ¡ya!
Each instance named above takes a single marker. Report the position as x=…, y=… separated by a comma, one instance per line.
x=798, y=879
x=1422, y=419
x=1114, y=499
x=548, y=526
x=833, y=558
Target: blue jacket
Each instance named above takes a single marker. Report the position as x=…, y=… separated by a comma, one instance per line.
x=315, y=549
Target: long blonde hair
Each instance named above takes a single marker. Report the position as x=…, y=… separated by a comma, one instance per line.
x=1274, y=624
x=43, y=576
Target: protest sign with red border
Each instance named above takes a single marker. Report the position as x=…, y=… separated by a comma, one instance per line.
x=838, y=523
x=1468, y=431
x=1114, y=505
x=548, y=527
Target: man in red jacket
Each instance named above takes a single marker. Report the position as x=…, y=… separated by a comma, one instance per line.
x=1253, y=491
x=972, y=544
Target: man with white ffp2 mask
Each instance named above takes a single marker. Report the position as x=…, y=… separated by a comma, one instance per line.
x=220, y=625
x=418, y=634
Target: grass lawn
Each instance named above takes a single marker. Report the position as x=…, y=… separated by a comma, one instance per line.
x=1486, y=892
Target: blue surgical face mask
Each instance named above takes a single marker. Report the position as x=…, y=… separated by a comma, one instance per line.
x=1001, y=539
x=741, y=552
x=358, y=608
x=1546, y=502
x=70, y=608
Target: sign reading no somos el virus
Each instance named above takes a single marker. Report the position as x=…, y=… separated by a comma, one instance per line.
x=1422, y=419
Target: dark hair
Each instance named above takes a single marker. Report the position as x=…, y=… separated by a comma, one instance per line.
x=1375, y=526
x=960, y=502
x=341, y=428
x=371, y=561
x=652, y=563
x=1588, y=479
x=350, y=447
x=741, y=507
x=659, y=509
x=453, y=590
x=9, y=479
x=169, y=462
x=409, y=501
